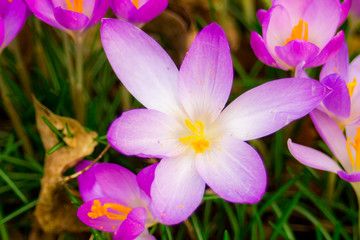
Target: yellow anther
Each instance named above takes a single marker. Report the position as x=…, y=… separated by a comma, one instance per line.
x=136, y=3
x=196, y=141
x=356, y=146
x=98, y=210
x=78, y=5
x=299, y=31
x=351, y=86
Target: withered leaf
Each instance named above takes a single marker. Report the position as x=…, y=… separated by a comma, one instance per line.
x=54, y=211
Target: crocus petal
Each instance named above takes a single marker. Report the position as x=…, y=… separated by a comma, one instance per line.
x=2, y=33
x=233, y=170
x=148, y=11
x=145, y=132
x=300, y=71
x=146, y=177
x=332, y=135
x=118, y=183
x=206, y=74
x=14, y=20
x=260, y=50
x=294, y=8
x=337, y=64
x=345, y=8
x=312, y=158
x=354, y=72
x=102, y=223
x=328, y=52
x=44, y=10
x=338, y=101
x=349, y=177
x=145, y=236
x=133, y=225
x=88, y=186
x=270, y=106
x=71, y=20
x=141, y=64
x=177, y=189
x=297, y=51
x=261, y=15
x=123, y=9
x=101, y=7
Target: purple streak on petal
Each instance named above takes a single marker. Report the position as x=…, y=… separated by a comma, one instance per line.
x=146, y=177
x=312, y=158
x=233, y=170
x=338, y=101
x=14, y=19
x=328, y=51
x=148, y=11
x=44, y=10
x=141, y=64
x=270, y=106
x=345, y=8
x=101, y=7
x=177, y=189
x=337, y=64
x=102, y=223
x=71, y=20
x=349, y=177
x=260, y=50
x=133, y=225
x=332, y=135
x=118, y=183
x=297, y=51
x=261, y=15
x=206, y=74
x=145, y=132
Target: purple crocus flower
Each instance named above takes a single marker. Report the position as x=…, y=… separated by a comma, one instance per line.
x=114, y=201
x=296, y=31
x=13, y=15
x=345, y=149
x=73, y=15
x=185, y=123
x=138, y=11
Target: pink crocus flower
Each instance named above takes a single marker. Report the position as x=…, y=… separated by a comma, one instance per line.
x=185, y=123
x=345, y=149
x=116, y=200
x=296, y=31
x=69, y=15
x=13, y=15
x=138, y=11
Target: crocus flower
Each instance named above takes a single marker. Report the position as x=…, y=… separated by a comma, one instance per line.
x=138, y=11
x=355, y=9
x=12, y=18
x=345, y=149
x=296, y=31
x=185, y=123
x=73, y=15
x=343, y=103
x=114, y=201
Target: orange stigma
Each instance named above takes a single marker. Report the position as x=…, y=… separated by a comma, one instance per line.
x=98, y=210
x=299, y=31
x=136, y=3
x=351, y=86
x=78, y=5
x=196, y=141
x=356, y=145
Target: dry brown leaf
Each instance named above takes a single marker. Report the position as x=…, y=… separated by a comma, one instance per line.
x=54, y=211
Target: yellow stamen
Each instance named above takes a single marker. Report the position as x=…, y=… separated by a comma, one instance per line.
x=299, y=31
x=356, y=146
x=136, y=3
x=349, y=151
x=78, y=5
x=98, y=210
x=351, y=86
x=196, y=141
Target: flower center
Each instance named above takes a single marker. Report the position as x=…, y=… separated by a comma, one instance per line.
x=351, y=86
x=356, y=146
x=77, y=7
x=136, y=3
x=196, y=141
x=299, y=31
x=98, y=210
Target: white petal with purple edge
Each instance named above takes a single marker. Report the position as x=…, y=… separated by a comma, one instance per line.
x=177, y=189
x=206, y=74
x=141, y=64
x=233, y=170
x=146, y=133
x=269, y=107
x=313, y=158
